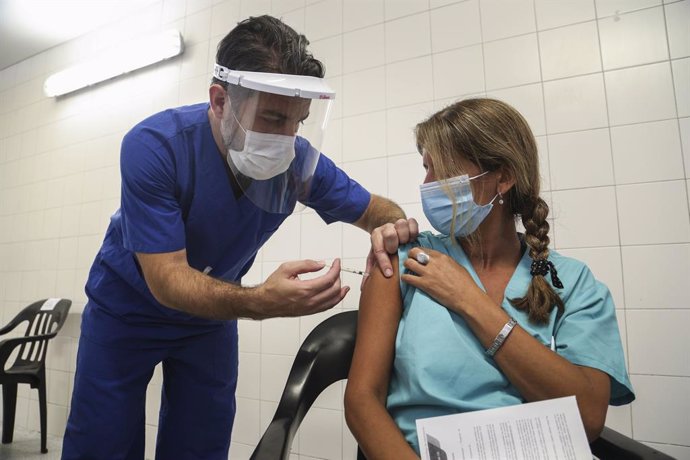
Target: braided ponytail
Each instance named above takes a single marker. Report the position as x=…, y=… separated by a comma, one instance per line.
x=540, y=298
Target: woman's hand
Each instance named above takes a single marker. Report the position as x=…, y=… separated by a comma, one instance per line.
x=443, y=279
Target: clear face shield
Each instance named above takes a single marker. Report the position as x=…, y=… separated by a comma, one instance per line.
x=266, y=124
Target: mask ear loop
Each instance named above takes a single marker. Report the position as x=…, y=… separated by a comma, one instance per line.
x=498, y=194
x=479, y=175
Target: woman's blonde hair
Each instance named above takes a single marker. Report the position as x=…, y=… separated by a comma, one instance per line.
x=493, y=135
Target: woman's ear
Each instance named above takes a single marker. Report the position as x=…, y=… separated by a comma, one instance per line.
x=506, y=181
x=217, y=97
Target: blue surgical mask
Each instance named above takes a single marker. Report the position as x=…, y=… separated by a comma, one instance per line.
x=438, y=206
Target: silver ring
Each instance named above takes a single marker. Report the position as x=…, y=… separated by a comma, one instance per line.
x=422, y=258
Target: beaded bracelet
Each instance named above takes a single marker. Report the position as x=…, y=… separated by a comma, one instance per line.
x=501, y=337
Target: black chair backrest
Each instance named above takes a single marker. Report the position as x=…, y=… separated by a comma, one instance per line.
x=323, y=359
x=44, y=318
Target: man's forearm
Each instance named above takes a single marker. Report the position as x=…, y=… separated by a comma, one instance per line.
x=198, y=294
x=379, y=212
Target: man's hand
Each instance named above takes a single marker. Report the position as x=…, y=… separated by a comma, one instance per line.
x=285, y=294
x=385, y=241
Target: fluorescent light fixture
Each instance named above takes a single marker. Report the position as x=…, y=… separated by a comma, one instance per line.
x=111, y=63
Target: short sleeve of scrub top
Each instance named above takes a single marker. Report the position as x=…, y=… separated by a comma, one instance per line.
x=587, y=333
x=334, y=196
x=151, y=215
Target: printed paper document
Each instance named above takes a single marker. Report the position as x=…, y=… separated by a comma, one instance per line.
x=544, y=430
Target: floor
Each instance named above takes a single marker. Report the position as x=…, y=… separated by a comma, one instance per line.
x=27, y=446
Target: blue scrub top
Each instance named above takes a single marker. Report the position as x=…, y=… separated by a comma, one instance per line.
x=440, y=367
x=177, y=194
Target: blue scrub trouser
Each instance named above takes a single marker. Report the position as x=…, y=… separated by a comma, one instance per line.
x=107, y=417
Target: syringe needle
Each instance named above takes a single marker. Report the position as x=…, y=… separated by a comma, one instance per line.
x=350, y=270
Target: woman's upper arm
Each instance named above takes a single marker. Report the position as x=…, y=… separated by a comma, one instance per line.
x=380, y=308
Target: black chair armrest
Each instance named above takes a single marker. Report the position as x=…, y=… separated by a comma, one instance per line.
x=612, y=445
x=9, y=326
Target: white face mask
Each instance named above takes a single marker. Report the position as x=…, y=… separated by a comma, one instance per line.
x=264, y=155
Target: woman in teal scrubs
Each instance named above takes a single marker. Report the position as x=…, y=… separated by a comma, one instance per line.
x=480, y=316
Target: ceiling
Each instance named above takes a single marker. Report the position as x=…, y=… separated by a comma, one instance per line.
x=28, y=27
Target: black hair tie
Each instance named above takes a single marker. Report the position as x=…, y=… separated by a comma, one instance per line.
x=541, y=267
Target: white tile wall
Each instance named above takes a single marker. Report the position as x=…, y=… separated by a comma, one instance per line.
x=405, y=175
x=569, y=51
x=455, y=26
x=409, y=82
x=619, y=419
x=398, y=8
x=681, y=81
x=275, y=368
x=364, y=91
x=633, y=39
x=360, y=127
x=580, y=159
x=660, y=412
x=330, y=52
x=585, y=217
x=574, y=104
x=544, y=168
x=362, y=13
x=506, y=19
x=617, y=7
x=556, y=13
x=320, y=433
x=529, y=101
x=677, y=26
x=322, y=19
x=363, y=48
x=246, y=429
x=640, y=94
x=684, y=124
x=458, y=72
x=511, y=62
x=648, y=282
x=650, y=334
x=647, y=152
x=653, y=213
x=400, y=123
x=280, y=336
x=408, y=37
x=603, y=84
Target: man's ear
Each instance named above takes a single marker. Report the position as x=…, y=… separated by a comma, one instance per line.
x=506, y=181
x=217, y=96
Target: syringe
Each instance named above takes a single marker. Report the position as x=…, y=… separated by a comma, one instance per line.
x=350, y=270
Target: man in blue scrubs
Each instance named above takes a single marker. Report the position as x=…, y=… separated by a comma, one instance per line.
x=203, y=188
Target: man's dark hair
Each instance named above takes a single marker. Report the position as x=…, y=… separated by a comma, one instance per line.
x=267, y=44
